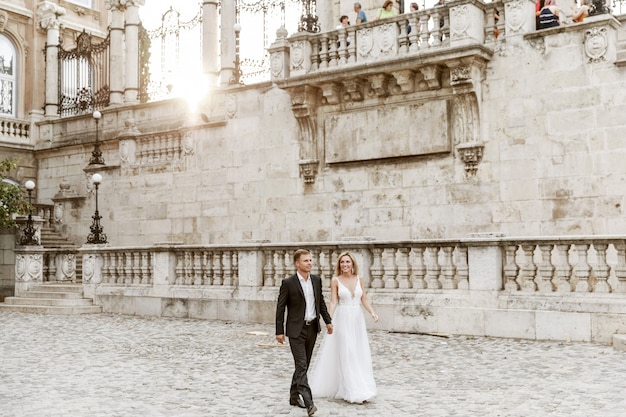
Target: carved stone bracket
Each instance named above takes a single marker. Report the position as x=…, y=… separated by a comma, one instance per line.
x=331, y=92
x=308, y=170
x=471, y=153
x=355, y=89
x=432, y=76
x=405, y=79
x=379, y=84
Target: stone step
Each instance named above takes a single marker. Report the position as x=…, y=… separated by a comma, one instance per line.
x=24, y=301
x=53, y=310
x=619, y=342
x=53, y=294
x=56, y=287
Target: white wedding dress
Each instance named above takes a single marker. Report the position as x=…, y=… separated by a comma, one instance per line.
x=343, y=367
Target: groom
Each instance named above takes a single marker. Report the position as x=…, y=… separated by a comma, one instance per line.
x=301, y=295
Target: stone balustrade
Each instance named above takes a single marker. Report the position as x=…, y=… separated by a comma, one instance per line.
x=415, y=285
x=14, y=130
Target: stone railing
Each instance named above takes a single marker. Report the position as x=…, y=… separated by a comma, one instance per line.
x=14, y=130
x=570, y=288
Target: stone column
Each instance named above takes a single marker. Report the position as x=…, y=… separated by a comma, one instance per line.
x=116, y=53
x=210, y=42
x=227, y=45
x=49, y=19
x=131, y=29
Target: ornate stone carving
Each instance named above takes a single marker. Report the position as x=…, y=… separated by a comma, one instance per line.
x=471, y=154
x=49, y=14
x=596, y=44
x=432, y=76
x=308, y=170
x=461, y=22
x=405, y=79
x=28, y=267
x=122, y=5
x=460, y=74
x=68, y=267
x=354, y=88
x=515, y=16
x=231, y=105
x=379, y=84
x=4, y=17
x=297, y=55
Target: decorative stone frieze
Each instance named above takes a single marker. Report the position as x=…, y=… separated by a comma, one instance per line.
x=471, y=154
x=596, y=43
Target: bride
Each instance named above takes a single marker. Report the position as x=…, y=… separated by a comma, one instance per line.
x=343, y=368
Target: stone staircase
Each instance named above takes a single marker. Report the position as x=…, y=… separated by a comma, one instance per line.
x=52, y=298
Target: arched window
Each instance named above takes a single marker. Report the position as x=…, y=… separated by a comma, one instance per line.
x=8, y=77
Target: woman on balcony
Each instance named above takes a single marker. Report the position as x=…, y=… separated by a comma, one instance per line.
x=386, y=11
x=582, y=12
x=343, y=369
x=549, y=15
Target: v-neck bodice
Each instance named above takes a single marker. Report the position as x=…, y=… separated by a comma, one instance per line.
x=346, y=297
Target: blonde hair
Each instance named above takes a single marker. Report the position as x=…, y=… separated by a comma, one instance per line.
x=355, y=266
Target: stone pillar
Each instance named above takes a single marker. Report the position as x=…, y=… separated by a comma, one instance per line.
x=485, y=268
x=116, y=53
x=49, y=19
x=520, y=19
x=467, y=25
x=227, y=45
x=131, y=29
x=279, y=56
x=210, y=42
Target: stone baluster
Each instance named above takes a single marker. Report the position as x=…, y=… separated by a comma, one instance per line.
x=425, y=33
x=462, y=268
x=128, y=268
x=135, y=268
x=437, y=33
x=448, y=270
x=179, y=270
x=582, y=269
x=342, y=50
x=106, y=273
x=235, y=267
x=146, y=268
x=52, y=266
x=217, y=268
x=324, y=53
x=280, y=271
x=620, y=268
x=327, y=267
x=333, y=51
x=418, y=268
x=529, y=269
x=403, y=40
x=315, y=54
x=563, y=269
x=189, y=268
x=390, y=268
x=228, y=272
x=602, y=268
x=268, y=269
x=116, y=273
x=432, y=268
x=376, y=270
x=414, y=21
x=352, y=47
x=546, y=269
x=511, y=268
x=208, y=268
x=404, y=268
x=197, y=268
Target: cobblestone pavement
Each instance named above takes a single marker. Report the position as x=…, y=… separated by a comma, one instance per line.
x=117, y=366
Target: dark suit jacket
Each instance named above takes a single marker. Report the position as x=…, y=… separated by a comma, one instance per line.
x=291, y=297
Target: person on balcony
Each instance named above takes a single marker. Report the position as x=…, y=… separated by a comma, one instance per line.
x=386, y=11
x=343, y=23
x=343, y=368
x=549, y=15
x=582, y=12
x=360, y=14
x=412, y=9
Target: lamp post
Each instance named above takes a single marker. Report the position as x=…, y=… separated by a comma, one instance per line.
x=236, y=78
x=29, y=238
x=96, y=236
x=308, y=20
x=96, y=155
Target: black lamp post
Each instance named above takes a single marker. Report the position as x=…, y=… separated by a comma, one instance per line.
x=29, y=238
x=236, y=78
x=308, y=19
x=96, y=236
x=96, y=155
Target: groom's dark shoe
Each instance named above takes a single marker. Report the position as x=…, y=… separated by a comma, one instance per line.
x=297, y=401
x=311, y=409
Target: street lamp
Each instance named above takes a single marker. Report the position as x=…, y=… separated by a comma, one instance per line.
x=96, y=155
x=29, y=238
x=236, y=78
x=96, y=236
x=308, y=20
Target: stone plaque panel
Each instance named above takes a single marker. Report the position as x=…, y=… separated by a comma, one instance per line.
x=387, y=132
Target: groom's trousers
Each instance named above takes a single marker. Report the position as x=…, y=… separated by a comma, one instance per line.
x=302, y=351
